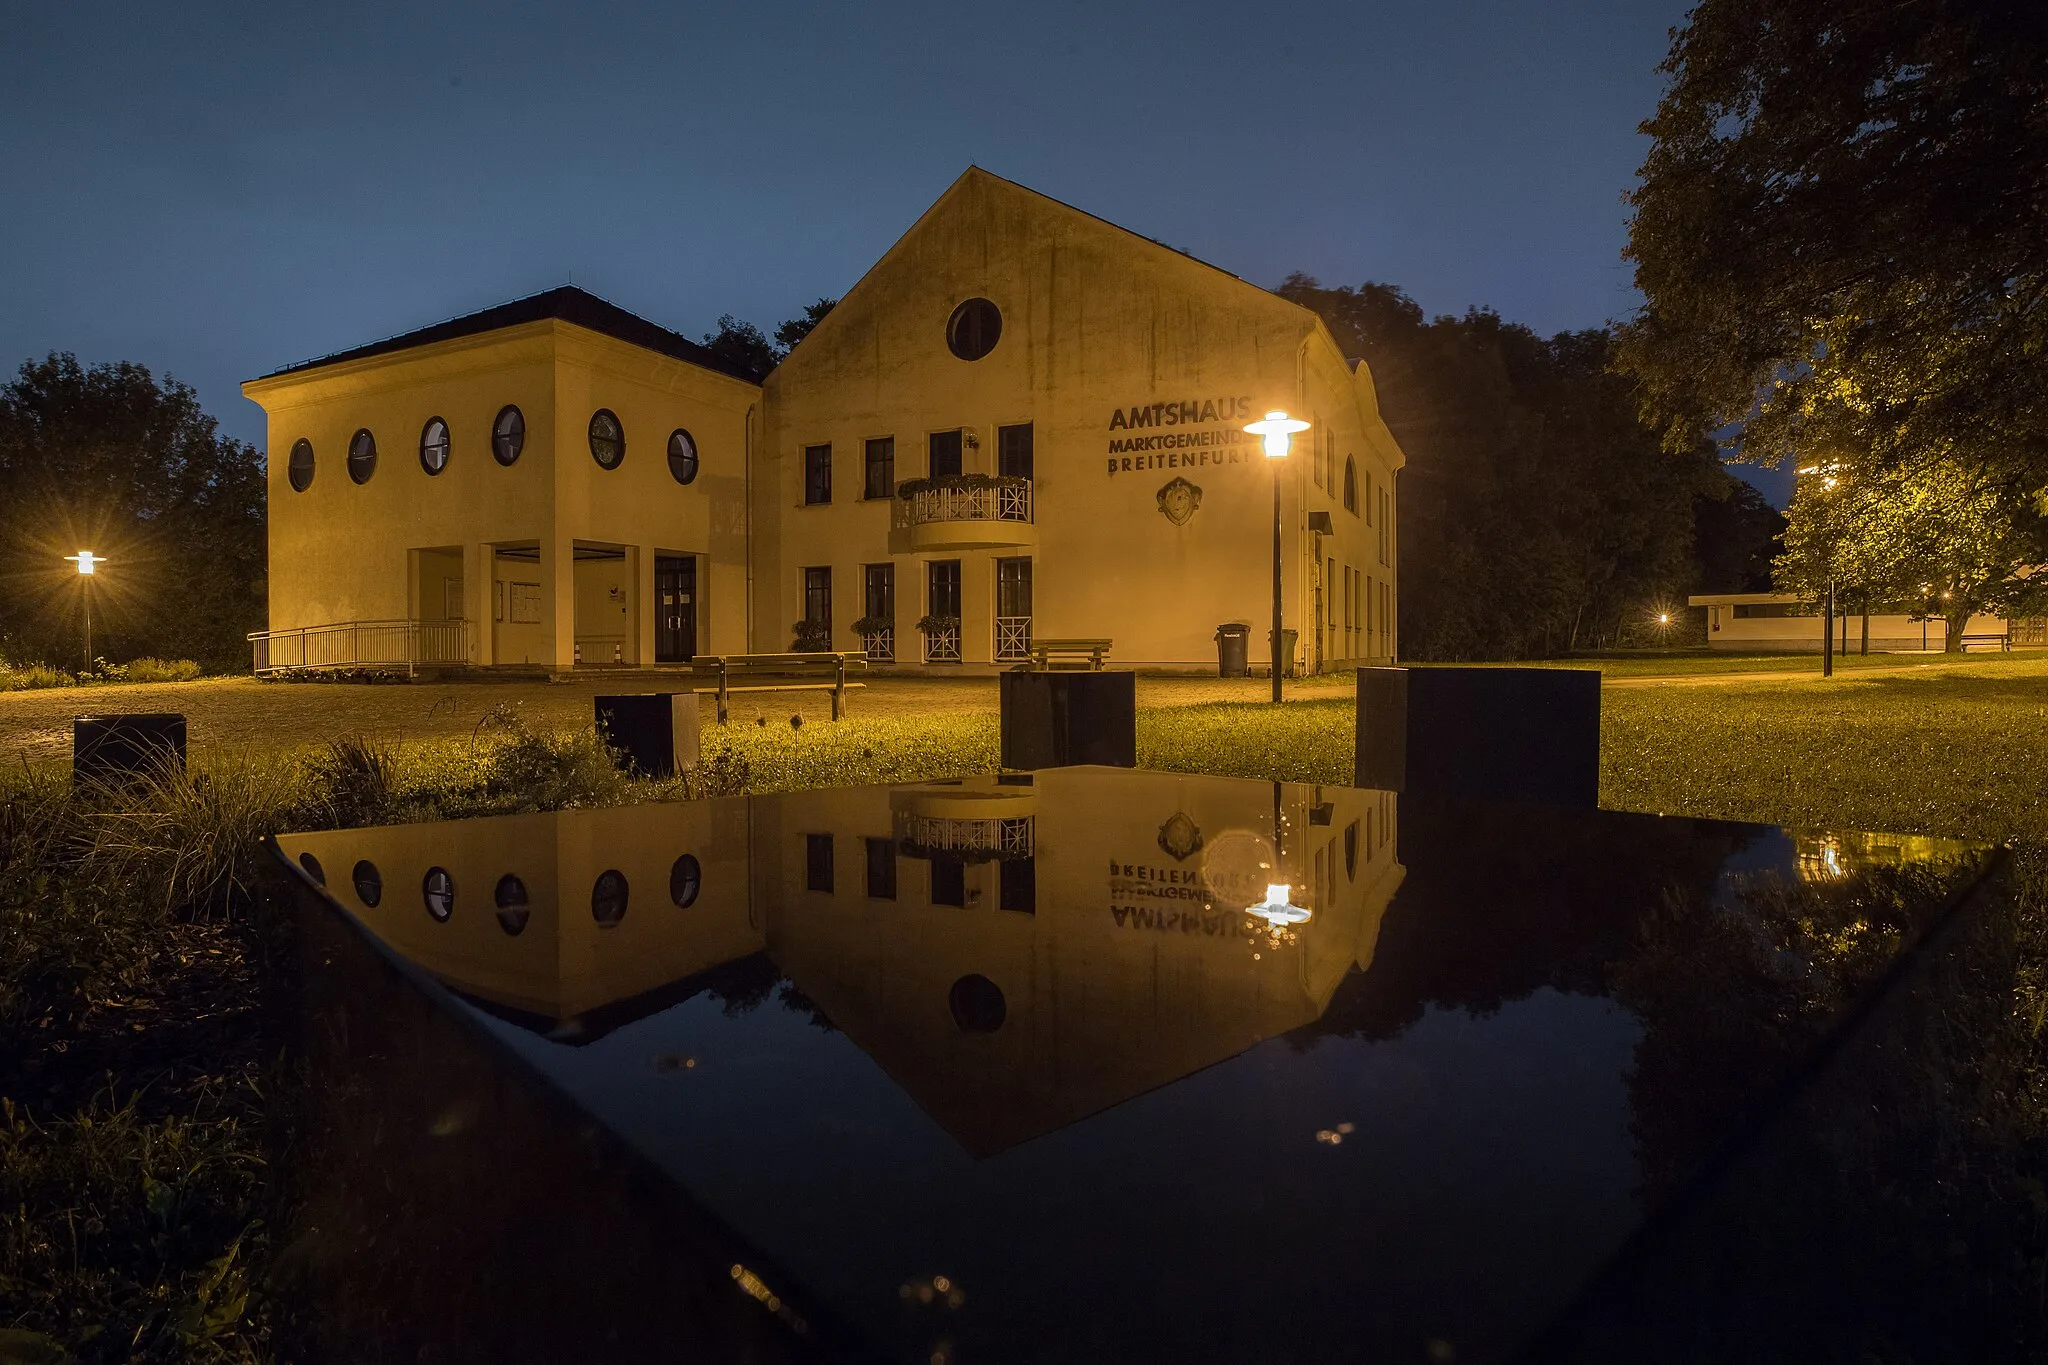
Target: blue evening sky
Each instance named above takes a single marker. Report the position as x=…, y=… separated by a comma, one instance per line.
x=216, y=190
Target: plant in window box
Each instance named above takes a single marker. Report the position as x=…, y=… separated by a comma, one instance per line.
x=810, y=637
x=938, y=625
x=873, y=625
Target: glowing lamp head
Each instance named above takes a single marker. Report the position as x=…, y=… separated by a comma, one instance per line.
x=1663, y=618
x=86, y=561
x=1277, y=427
x=1276, y=910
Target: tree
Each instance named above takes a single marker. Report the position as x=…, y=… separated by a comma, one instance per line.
x=797, y=328
x=1937, y=533
x=743, y=345
x=1736, y=535
x=112, y=460
x=1842, y=232
x=1537, y=513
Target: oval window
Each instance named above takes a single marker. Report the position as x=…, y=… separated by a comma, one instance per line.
x=508, y=434
x=313, y=868
x=362, y=455
x=369, y=883
x=977, y=1004
x=437, y=889
x=682, y=455
x=300, y=468
x=974, y=329
x=434, y=446
x=685, y=880
x=607, y=439
x=608, y=898
x=514, y=908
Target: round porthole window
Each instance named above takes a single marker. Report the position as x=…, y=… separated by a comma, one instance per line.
x=977, y=1004
x=607, y=439
x=362, y=456
x=437, y=889
x=434, y=445
x=300, y=468
x=608, y=898
x=974, y=329
x=685, y=880
x=682, y=455
x=369, y=883
x=508, y=434
x=313, y=868
x=513, y=907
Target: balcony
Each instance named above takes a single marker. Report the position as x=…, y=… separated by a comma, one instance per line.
x=968, y=512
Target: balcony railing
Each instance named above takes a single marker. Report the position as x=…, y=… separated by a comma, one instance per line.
x=360, y=644
x=942, y=646
x=1013, y=638
x=880, y=645
x=1008, y=501
x=974, y=840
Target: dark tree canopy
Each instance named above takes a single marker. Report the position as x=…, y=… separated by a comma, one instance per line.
x=797, y=328
x=1842, y=232
x=112, y=460
x=1735, y=538
x=744, y=345
x=1537, y=513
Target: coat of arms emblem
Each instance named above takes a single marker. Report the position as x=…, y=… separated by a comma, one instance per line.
x=1178, y=501
x=1180, y=838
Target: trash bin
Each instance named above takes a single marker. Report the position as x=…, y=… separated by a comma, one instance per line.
x=1231, y=642
x=1287, y=639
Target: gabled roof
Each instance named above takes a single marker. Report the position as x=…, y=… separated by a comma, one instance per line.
x=566, y=304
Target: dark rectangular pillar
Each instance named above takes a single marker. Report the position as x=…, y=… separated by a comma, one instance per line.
x=655, y=733
x=120, y=749
x=1481, y=734
x=1055, y=720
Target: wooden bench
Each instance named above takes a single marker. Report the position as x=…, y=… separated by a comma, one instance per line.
x=1051, y=655
x=811, y=672
x=2003, y=640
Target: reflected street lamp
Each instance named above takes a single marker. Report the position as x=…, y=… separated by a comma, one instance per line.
x=87, y=563
x=1278, y=910
x=1277, y=428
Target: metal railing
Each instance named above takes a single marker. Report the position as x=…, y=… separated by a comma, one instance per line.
x=1001, y=502
x=360, y=644
x=600, y=649
x=942, y=646
x=880, y=646
x=1013, y=638
x=999, y=837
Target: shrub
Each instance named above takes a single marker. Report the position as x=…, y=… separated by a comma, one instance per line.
x=147, y=670
x=810, y=637
x=29, y=677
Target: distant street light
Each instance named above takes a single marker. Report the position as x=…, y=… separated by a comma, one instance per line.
x=88, y=563
x=1827, y=621
x=1278, y=429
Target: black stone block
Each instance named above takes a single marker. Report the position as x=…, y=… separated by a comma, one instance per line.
x=655, y=733
x=1055, y=720
x=119, y=749
x=1481, y=734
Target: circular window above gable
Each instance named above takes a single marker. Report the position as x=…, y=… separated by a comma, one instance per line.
x=362, y=455
x=607, y=439
x=974, y=329
x=682, y=455
x=508, y=434
x=434, y=446
x=300, y=468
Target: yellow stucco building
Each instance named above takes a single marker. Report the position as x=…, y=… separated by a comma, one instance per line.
x=1023, y=422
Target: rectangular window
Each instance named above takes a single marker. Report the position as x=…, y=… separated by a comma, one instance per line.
x=818, y=597
x=1387, y=610
x=881, y=468
x=942, y=588
x=1386, y=526
x=1013, y=451
x=949, y=882
x=817, y=475
x=1019, y=884
x=878, y=597
x=1013, y=587
x=818, y=862
x=945, y=454
x=881, y=869
x=1317, y=456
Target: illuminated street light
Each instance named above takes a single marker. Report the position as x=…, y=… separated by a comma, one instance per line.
x=1277, y=910
x=1278, y=429
x=88, y=563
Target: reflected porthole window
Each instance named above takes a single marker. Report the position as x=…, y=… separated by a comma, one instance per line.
x=977, y=1004
x=300, y=467
x=434, y=445
x=682, y=455
x=369, y=883
x=362, y=456
x=974, y=329
x=608, y=898
x=313, y=868
x=514, y=909
x=508, y=434
x=437, y=889
x=685, y=880
x=607, y=439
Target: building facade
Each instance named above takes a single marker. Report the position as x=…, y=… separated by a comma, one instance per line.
x=1766, y=622
x=1023, y=423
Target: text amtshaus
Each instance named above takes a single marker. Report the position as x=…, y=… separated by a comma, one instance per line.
x=1179, y=449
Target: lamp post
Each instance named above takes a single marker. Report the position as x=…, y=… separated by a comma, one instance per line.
x=1278, y=429
x=87, y=562
x=1827, y=620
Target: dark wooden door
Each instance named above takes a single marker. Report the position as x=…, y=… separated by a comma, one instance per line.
x=675, y=609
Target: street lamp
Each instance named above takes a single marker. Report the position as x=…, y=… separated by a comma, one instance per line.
x=1278, y=429
x=87, y=563
x=1277, y=909
x=1827, y=622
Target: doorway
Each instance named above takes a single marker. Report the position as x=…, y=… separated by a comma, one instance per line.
x=675, y=609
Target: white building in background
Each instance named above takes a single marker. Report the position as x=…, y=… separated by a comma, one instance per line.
x=1762, y=622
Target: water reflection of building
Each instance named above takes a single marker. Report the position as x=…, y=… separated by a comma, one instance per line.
x=1016, y=952
x=1834, y=855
